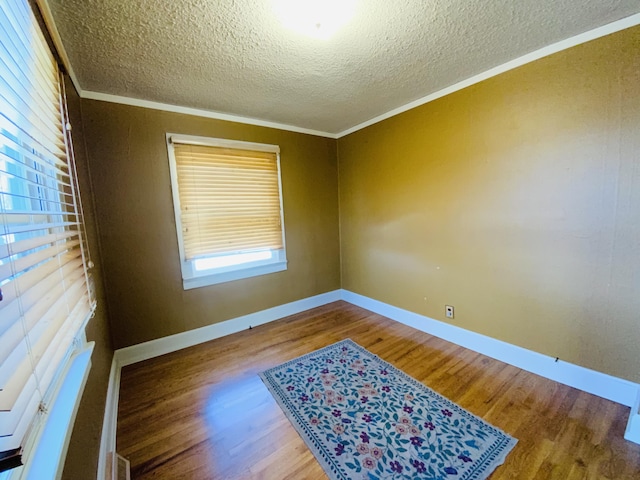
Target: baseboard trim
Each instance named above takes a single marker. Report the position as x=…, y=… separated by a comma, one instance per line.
x=600, y=384
x=109, y=423
x=597, y=383
x=154, y=348
x=632, y=433
x=172, y=343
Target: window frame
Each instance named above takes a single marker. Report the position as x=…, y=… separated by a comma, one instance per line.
x=191, y=277
x=50, y=427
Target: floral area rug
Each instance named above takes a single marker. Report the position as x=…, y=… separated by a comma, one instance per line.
x=364, y=419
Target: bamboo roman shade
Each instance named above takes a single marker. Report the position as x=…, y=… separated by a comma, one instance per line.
x=45, y=285
x=229, y=200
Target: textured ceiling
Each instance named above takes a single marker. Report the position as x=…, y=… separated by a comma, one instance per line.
x=234, y=56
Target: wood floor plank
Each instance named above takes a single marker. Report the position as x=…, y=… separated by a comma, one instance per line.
x=203, y=412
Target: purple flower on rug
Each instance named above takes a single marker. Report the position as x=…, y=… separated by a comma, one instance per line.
x=363, y=418
x=369, y=463
x=416, y=441
x=419, y=466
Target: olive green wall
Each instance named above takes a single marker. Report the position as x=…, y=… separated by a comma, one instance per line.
x=130, y=173
x=516, y=200
x=82, y=456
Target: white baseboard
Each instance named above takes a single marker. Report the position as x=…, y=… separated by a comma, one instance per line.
x=632, y=432
x=109, y=423
x=606, y=386
x=600, y=384
x=172, y=343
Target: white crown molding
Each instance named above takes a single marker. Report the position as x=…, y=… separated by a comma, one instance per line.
x=594, y=34
x=602, y=31
x=136, y=102
x=47, y=16
x=590, y=381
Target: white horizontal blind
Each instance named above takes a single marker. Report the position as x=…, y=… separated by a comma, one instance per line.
x=45, y=285
x=229, y=200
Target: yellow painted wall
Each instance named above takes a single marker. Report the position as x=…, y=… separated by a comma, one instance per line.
x=516, y=200
x=130, y=172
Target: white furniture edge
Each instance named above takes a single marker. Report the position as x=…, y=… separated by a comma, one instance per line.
x=597, y=383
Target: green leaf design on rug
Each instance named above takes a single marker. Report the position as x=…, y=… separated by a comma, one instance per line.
x=364, y=419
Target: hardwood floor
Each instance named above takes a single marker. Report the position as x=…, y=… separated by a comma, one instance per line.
x=203, y=413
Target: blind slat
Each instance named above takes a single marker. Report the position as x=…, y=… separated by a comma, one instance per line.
x=35, y=301
x=229, y=199
x=21, y=246
x=40, y=338
x=29, y=280
x=43, y=276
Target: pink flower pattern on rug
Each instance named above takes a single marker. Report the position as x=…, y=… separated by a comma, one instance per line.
x=364, y=419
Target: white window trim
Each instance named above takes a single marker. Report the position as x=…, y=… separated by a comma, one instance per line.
x=45, y=448
x=192, y=278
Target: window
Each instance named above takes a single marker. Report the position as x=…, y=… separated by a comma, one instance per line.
x=228, y=204
x=45, y=296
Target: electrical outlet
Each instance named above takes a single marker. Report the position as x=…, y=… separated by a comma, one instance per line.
x=448, y=310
